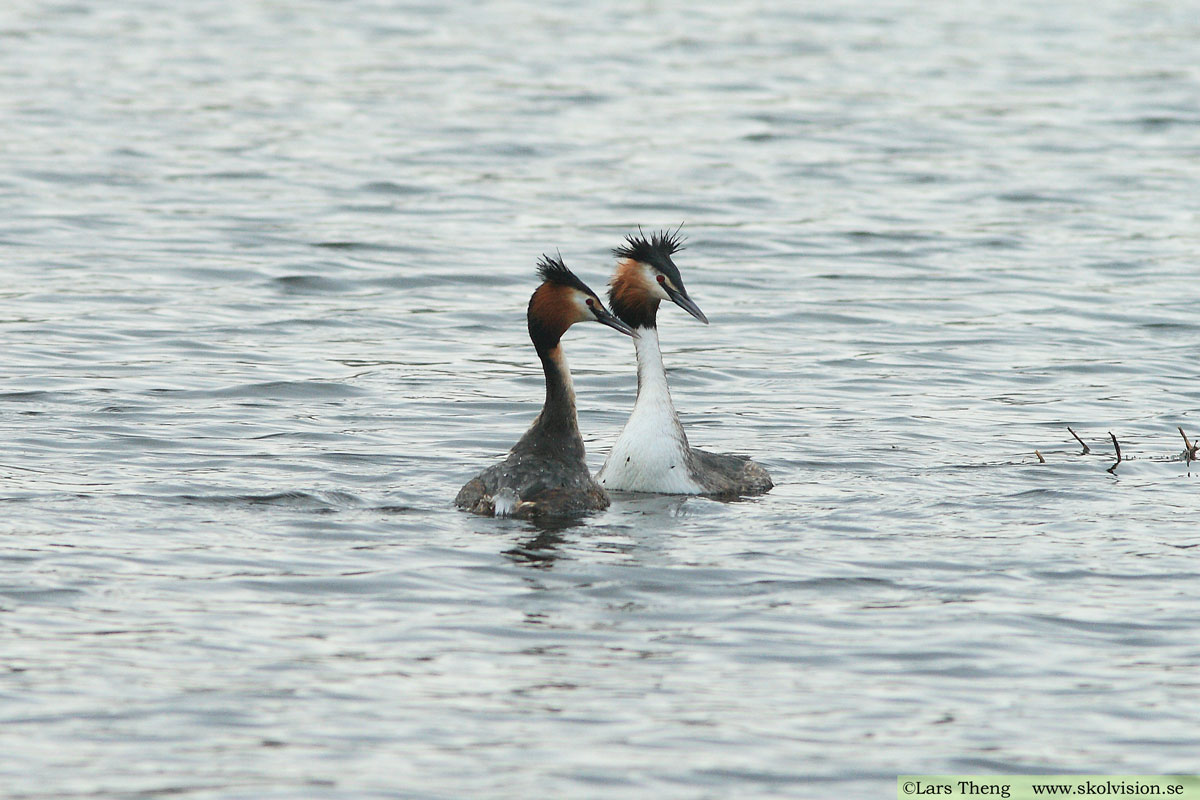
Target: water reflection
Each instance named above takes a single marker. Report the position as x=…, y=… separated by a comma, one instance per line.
x=253, y=345
x=540, y=548
x=642, y=512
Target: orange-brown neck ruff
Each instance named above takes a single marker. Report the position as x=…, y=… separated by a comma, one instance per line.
x=550, y=314
x=629, y=296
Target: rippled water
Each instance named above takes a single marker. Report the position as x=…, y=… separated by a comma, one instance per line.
x=264, y=274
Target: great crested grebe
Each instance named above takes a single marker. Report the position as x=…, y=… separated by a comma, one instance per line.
x=652, y=453
x=545, y=473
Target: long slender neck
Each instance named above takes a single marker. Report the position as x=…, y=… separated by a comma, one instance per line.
x=653, y=405
x=652, y=374
x=558, y=413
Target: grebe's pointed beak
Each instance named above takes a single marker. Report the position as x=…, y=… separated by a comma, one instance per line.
x=606, y=317
x=681, y=299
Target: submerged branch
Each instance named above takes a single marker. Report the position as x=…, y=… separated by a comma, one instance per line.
x=1190, y=453
x=1117, y=446
x=1191, y=450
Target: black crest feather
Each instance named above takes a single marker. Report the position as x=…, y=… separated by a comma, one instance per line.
x=552, y=270
x=656, y=249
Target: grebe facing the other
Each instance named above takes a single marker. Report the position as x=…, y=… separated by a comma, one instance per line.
x=545, y=473
x=652, y=453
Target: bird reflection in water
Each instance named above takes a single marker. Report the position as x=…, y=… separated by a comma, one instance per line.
x=539, y=547
x=543, y=536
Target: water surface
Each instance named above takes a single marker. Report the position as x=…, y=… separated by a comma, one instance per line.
x=264, y=275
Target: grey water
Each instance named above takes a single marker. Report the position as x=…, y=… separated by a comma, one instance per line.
x=263, y=272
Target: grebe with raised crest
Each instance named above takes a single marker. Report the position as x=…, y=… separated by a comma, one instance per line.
x=545, y=473
x=652, y=453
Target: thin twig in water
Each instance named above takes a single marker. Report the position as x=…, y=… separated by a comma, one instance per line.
x=1039, y=455
x=1116, y=445
x=1086, y=449
x=1190, y=453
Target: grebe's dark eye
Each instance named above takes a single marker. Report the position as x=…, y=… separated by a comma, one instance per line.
x=662, y=278
x=590, y=302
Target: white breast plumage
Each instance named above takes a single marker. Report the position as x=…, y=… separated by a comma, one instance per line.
x=651, y=453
